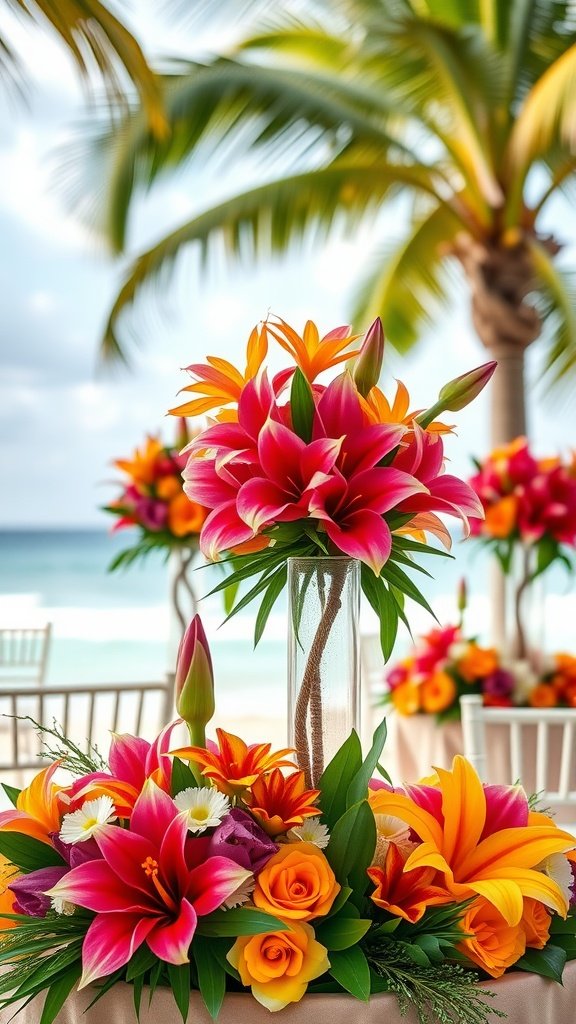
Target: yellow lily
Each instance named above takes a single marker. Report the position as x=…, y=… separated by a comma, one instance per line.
x=480, y=840
x=37, y=812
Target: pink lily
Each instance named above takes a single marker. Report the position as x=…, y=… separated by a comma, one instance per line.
x=132, y=762
x=151, y=886
x=288, y=471
x=352, y=511
x=423, y=457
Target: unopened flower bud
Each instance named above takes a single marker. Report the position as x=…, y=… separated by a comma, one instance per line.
x=194, y=681
x=458, y=393
x=368, y=365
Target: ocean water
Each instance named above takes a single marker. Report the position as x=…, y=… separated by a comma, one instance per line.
x=111, y=627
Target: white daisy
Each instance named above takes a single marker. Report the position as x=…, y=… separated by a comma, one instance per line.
x=390, y=829
x=62, y=906
x=204, y=807
x=87, y=822
x=312, y=831
x=241, y=895
x=557, y=867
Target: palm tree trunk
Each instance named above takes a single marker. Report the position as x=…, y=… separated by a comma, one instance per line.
x=500, y=280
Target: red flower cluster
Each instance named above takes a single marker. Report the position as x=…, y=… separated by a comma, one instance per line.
x=525, y=498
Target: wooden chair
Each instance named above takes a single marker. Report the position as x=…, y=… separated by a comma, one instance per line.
x=549, y=758
x=86, y=713
x=24, y=653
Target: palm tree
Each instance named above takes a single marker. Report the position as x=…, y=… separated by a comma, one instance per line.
x=98, y=42
x=468, y=106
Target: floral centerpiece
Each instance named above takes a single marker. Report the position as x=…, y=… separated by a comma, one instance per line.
x=529, y=521
x=295, y=469
x=153, y=502
x=214, y=867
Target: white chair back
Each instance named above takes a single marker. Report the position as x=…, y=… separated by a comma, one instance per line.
x=553, y=789
x=24, y=654
x=86, y=713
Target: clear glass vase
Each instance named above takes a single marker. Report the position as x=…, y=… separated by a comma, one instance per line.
x=525, y=609
x=323, y=658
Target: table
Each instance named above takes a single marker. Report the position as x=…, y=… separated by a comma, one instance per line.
x=525, y=998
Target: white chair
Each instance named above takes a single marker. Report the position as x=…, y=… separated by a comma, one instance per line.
x=86, y=713
x=24, y=654
x=555, y=786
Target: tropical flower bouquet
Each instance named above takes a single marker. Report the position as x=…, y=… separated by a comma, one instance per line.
x=294, y=469
x=529, y=522
x=153, y=502
x=213, y=867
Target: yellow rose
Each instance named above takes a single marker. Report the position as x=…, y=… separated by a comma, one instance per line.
x=296, y=883
x=277, y=966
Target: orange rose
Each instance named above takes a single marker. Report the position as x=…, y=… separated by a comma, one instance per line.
x=536, y=923
x=477, y=663
x=406, y=698
x=542, y=696
x=500, y=519
x=438, y=692
x=277, y=966
x=492, y=943
x=296, y=883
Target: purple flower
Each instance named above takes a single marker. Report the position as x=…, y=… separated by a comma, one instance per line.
x=499, y=684
x=29, y=890
x=152, y=514
x=240, y=839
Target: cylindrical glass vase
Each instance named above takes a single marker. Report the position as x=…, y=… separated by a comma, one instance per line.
x=323, y=658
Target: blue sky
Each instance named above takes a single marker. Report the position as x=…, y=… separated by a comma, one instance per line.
x=62, y=420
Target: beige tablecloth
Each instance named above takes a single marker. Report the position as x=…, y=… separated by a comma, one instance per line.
x=525, y=998
x=416, y=742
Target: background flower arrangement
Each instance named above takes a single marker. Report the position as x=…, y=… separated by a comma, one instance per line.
x=214, y=867
x=529, y=523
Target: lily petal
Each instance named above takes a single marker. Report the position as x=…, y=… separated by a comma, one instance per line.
x=110, y=942
x=171, y=942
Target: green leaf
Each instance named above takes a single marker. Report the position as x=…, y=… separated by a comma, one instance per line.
x=275, y=588
x=349, y=968
x=58, y=993
x=342, y=932
x=336, y=778
x=385, y=608
x=549, y=962
x=341, y=899
x=211, y=977
x=179, y=977
x=138, y=989
x=182, y=777
x=302, y=406
x=398, y=578
x=352, y=843
x=547, y=551
x=28, y=853
x=239, y=921
x=387, y=927
x=230, y=596
x=220, y=948
x=12, y=793
x=141, y=961
x=358, y=788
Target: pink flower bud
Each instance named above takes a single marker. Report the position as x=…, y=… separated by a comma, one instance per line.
x=458, y=393
x=368, y=365
x=194, y=680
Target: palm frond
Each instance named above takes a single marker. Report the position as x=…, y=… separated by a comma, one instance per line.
x=268, y=219
x=409, y=285
x=548, y=116
x=226, y=106
x=557, y=302
x=98, y=41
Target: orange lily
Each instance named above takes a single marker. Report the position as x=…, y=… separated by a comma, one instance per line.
x=457, y=840
x=142, y=468
x=406, y=894
x=282, y=802
x=309, y=351
x=219, y=382
x=38, y=811
x=185, y=516
x=379, y=410
x=235, y=766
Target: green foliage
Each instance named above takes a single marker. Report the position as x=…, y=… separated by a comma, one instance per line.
x=211, y=976
x=72, y=757
x=549, y=962
x=182, y=776
x=349, y=967
x=239, y=921
x=302, y=406
x=179, y=978
x=351, y=846
x=358, y=788
x=26, y=853
x=337, y=777
x=342, y=931
x=12, y=793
